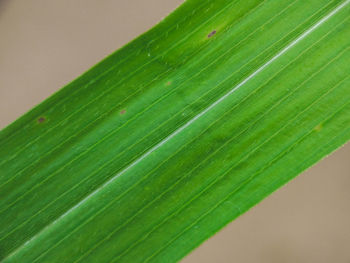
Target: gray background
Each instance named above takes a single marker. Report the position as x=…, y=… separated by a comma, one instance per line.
x=44, y=44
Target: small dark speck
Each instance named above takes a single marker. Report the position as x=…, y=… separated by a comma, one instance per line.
x=122, y=112
x=41, y=119
x=212, y=33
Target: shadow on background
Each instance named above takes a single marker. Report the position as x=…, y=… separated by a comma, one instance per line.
x=3, y=5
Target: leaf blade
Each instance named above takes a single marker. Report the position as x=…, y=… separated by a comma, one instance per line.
x=337, y=38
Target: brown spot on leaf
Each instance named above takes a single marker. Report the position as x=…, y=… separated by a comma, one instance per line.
x=168, y=83
x=212, y=33
x=318, y=127
x=122, y=112
x=41, y=119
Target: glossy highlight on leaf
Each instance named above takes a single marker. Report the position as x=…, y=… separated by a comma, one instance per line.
x=173, y=136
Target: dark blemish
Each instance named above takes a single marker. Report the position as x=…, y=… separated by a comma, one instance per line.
x=41, y=119
x=122, y=112
x=212, y=33
x=168, y=83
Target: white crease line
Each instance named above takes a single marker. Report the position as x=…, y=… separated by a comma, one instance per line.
x=179, y=130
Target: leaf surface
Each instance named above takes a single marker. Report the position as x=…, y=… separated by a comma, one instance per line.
x=173, y=136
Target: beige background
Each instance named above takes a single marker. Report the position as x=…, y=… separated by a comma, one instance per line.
x=47, y=43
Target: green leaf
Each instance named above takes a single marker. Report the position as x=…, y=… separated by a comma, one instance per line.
x=173, y=136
